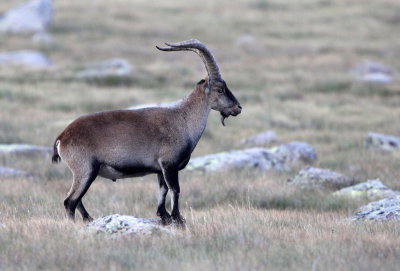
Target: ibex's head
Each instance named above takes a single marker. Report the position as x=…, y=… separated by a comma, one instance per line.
x=221, y=98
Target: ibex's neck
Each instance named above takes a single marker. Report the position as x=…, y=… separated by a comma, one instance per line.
x=195, y=110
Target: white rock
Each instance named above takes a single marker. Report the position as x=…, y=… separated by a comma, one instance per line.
x=311, y=177
x=25, y=58
x=42, y=38
x=371, y=189
x=9, y=173
x=383, y=142
x=296, y=152
x=373, y=72
x=255, y=158
x=118, y=225
x=24, y=150
x=31, y=17
x=261, y=139
x=382, y=210
x=245, y=39
x=112, y=68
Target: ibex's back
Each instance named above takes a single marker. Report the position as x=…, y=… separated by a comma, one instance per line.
x=129, y=143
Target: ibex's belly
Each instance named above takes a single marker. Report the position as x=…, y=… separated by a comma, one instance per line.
x=114, y=173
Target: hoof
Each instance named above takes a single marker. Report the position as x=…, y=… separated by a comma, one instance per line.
x=165, y=218
x=179, y=221
x=88, y=219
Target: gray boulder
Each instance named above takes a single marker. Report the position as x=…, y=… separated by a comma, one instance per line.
x=256, y=158
x=311, y=177
x=296, y=152
x=382, y=210
x=25, y=58
x=108, y=71
x=371, y=189
x=383, y=142
x=279, y=158
x=117, y=225
x=261, y=139
x=10, y=173
x=24, y=150
x=373, y=72
x=31, y=17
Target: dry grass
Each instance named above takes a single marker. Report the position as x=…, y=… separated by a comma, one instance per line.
x=294, y=80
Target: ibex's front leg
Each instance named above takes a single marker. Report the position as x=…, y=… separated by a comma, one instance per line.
x=171, y=178
x=161, y=211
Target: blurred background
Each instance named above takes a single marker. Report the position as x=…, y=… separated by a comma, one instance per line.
x=319, y=71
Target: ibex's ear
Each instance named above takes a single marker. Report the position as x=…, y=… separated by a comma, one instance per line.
x=204, y=84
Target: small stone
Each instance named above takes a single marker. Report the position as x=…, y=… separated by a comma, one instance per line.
x=109, y=71
x=10, y=173
x=311, y=177
x=31, y=17
x=246, y=39
x=261, y=140
x=373, y=72
x=25, y=58
x=383, y=142
x=371, y=189
x=42, y=38
x=122, y=225
x=24, y=150
x=296, y=152
x=382, y=210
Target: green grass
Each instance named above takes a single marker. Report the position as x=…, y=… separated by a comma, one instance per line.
x=296, y=79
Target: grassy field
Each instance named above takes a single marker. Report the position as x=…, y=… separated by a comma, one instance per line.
x=295, y=79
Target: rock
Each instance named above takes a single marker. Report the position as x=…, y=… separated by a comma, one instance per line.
x=296, y=152
x=31, y=17
x=245, y=40
x=383, y=142
x=42, y=38
x=382, y=210
x=109, y=71
x=10, y=173
x=24, y=150
x=260, y=140
x=26, y=58
x=373, y=72
x=320, y=178
x=371, y=189
x=118, y=225
x=256, y=158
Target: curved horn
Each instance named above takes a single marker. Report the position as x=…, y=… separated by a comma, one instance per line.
x=200, y=49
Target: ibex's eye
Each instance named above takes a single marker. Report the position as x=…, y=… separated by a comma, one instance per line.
x=220, y=91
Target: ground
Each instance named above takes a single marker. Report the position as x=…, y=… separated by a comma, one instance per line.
x=295, y=78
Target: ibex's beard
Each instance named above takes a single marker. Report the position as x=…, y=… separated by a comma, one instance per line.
x=223, y=117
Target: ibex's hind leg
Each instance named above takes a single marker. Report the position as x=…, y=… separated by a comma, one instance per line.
x=85, y=215
x=161, y=211
x=80, y=185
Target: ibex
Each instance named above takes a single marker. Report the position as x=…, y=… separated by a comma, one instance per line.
x=130, y=143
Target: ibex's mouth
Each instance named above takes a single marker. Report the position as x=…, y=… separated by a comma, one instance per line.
x=233, y=112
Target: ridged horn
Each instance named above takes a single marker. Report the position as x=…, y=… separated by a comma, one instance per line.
x=200, y=49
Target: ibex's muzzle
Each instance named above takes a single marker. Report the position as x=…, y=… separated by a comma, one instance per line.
x=234, y=111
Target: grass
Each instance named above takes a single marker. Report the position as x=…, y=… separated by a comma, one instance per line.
x=296, y=79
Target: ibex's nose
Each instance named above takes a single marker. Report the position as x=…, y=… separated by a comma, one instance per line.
x=239, y=109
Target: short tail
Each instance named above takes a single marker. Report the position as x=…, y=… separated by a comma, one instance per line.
x=56, y=157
